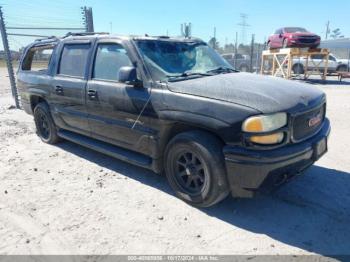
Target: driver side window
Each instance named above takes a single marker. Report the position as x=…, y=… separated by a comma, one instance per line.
x=108, y=61
x=332, y=58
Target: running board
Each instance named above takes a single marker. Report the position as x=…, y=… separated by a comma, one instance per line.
x=107, y=149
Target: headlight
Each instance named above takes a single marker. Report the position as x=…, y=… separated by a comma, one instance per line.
x=265, y=123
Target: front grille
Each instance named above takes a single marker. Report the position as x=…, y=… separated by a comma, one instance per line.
x=307, y=39
x=301, y=128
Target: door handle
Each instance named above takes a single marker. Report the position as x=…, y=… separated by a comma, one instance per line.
x=92, y=94
x=59, y=90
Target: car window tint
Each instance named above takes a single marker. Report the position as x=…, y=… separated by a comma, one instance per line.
x=109, y=59
x=73, y=59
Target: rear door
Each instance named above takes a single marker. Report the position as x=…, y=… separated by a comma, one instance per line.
x=113, y=106
x=69, y=84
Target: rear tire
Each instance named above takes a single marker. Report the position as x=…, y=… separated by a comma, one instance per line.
x=195, y=168
x=298, y=69
x=269, y=46
x=46, y=128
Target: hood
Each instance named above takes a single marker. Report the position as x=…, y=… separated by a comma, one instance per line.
x=343, y=61
x=263, y=93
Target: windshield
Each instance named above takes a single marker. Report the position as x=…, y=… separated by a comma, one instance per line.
x=168, y=60
x=295, y=30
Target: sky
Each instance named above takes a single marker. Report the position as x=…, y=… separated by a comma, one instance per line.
x=159, y=17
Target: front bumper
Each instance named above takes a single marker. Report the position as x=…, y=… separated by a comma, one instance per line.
x=295, y=42
x=250, y=170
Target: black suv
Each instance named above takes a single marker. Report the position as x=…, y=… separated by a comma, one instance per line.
x=173, y=105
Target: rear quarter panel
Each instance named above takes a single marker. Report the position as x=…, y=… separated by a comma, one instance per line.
x=32, y=84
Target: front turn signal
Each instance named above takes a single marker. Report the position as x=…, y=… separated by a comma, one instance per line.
x=268, y=139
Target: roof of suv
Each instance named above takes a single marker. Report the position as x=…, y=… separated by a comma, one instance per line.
x=85, y=36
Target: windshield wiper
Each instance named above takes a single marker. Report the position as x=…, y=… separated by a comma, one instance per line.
x=188, y=74
x=222, y=69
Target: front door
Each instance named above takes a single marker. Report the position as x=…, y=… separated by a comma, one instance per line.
x=68, y=88
x=114, y=107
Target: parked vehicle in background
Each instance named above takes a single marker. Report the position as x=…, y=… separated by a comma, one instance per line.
x=238, y=61
x=175, y=106
x=293, y=37
x=318, y=62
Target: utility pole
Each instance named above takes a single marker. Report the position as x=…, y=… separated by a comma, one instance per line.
x=8, y=59
x=243, y=24
x=327, y=30
x=214, y=44
x=186, y=30
x=251, y=53
x=235, y=53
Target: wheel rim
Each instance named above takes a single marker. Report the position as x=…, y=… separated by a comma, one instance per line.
x=43, y=125
x=190, y=172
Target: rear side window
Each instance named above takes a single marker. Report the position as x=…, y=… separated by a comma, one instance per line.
x=74, y=59
x=37, y=59
x=108, y=61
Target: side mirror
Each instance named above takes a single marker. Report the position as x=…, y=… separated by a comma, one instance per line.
x=281, y=35
x=128, y=75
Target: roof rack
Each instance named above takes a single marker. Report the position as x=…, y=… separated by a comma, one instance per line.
x=85, y=34
x=49, y=38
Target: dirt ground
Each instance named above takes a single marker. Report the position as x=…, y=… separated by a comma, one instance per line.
x=66, y=199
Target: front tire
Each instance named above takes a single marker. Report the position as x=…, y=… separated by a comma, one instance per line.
x=195, y=168
x=46, y=128
x=342, y=68
x=285, y=43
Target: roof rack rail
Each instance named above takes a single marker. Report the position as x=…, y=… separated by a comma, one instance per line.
x=46, y=38
x=85, y=33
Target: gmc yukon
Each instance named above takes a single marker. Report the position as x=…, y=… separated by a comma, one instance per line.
x=174, y=106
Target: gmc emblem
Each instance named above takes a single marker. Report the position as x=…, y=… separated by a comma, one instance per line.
x=314, y=121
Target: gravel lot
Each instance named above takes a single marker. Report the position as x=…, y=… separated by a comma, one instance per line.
x=66, y=199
